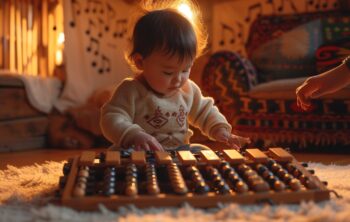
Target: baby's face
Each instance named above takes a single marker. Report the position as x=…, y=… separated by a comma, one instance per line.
x=164, y=73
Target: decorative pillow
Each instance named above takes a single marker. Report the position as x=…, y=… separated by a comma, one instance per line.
x=331, y=55
x=336, y=32
x=291, y=55
x=226, y=77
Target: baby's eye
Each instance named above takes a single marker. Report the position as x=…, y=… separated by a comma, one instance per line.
x=168, y=73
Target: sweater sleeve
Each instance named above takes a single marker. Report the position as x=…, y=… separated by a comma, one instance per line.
x=117, y=115
x=204, y=114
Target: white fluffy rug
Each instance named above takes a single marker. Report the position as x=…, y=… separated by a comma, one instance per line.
x=25, y=194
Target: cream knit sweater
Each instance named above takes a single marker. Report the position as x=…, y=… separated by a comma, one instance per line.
x=134, y=107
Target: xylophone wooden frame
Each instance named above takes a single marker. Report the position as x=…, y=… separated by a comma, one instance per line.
x=203, y=201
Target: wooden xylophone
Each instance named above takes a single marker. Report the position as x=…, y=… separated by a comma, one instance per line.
x=202, y=179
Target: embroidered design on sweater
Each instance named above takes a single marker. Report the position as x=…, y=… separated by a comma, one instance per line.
x=158, y=120
x=181, y=118
x=171, y=142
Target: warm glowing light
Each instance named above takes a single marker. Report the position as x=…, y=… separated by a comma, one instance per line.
x=60, y=39
x=186, y=11
x=59, y=51
x=59, y=57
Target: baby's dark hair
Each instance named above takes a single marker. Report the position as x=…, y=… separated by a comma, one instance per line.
x=165, y=30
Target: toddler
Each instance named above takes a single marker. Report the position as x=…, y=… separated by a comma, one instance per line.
x=153, y=110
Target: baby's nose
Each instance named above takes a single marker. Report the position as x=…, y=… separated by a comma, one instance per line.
x=177, y=79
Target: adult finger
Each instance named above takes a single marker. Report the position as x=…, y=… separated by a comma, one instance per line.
x=303, y=103
x=318, y=93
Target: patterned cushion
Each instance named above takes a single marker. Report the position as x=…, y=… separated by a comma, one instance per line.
x=226, y=77
x=331, y=55
x=286, y=50
x=267, y=28
x=291, y=55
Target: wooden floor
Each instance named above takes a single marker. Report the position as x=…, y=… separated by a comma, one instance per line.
x=30, y=157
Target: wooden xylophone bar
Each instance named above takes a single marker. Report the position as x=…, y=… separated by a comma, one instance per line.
x=202, y=179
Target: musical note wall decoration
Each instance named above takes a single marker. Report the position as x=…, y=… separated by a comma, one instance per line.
x=76, y=9
x=100, y=27
x=93, y=44
x=89, y=27
x=240, y=33
x=252, y=9
x=110, y=14
x=105, y=64
x=273, y=6
x=234, y=19
x=120, y=28
x=291, y=4
x=319, y=5
x=101, y=24
x=227, y=32
x=93, y=6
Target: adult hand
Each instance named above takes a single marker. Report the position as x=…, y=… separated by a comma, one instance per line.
x=322, y=84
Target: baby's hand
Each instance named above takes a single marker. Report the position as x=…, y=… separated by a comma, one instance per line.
x=144, y=141
x=223, y=135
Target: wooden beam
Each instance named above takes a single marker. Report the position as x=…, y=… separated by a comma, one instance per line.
x=12, y=25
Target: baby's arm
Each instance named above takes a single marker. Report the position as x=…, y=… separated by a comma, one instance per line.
x=323, y=84
x=206, y=116
x=117, y=121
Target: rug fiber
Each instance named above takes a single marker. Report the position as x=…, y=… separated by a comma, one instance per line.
x=26, y=194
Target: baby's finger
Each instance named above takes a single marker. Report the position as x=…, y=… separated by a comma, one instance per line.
x=234, y=146
x=234, y=142
x=146, y=147
x=223, y=139
x=155, y=145
x=138, y=147
x=245, y=140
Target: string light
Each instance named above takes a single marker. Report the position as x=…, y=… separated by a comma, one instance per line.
x=60, y=39
x=59, y=51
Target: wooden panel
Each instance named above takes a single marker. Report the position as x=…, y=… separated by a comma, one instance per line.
x=19, y=58
x=233, y=156
x=186, y=157
x=14, y=104
x=113, y=158
x=12, y=40
x=23, y=128
x=10, y=80
x=163, y=157
x=280, y=154
x=87, y=158
x=20, y=144
x=166, y=198
x=210, y=157
x=256, y=155
x=138, y=157
x=2, y=35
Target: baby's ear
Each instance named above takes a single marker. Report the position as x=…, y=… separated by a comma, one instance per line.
x=138, y=60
